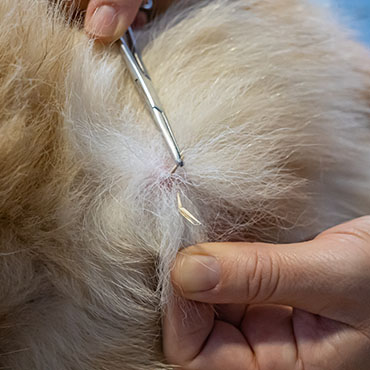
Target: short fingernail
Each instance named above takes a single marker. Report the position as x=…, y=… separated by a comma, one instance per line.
x=197, y=273
x=104, y=22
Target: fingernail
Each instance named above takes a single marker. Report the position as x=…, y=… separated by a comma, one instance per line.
x=198, y=273
x=103, y=22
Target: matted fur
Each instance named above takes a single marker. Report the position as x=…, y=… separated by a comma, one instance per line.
x=269, y=100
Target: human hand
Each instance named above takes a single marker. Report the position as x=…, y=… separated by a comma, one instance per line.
x=109, y=20
x=281, y=307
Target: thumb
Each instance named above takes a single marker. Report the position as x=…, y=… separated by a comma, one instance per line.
x=329, y=275
x=109, y=20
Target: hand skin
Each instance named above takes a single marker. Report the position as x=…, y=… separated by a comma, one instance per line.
x=107, y=20
x=300, y=306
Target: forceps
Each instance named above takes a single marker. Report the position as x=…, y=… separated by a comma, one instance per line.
x=144, y=85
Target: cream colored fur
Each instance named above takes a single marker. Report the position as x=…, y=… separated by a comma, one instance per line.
x=269, y=100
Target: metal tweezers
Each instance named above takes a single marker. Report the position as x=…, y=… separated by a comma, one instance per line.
x=144, y=85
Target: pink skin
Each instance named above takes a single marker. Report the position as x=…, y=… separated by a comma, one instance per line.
x=281, y=307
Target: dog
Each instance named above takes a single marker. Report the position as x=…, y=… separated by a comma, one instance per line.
x=269, y=100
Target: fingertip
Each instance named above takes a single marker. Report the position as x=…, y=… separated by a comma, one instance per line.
x=107, y=22
x=196, y=274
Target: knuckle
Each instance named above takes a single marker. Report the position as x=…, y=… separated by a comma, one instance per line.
x=261, y=273
x=361, y=229
x=356, y=232
x=365, y=220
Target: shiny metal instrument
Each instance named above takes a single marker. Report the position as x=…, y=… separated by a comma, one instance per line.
x=144, y=85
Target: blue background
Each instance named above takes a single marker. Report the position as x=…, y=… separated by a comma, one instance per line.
x=356, y=13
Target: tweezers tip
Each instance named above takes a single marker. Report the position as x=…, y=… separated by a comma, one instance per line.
x=178, y=164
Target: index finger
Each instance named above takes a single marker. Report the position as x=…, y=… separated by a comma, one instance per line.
x=195, y=339
x=186, y=327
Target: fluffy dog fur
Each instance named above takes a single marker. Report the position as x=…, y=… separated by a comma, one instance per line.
x=269, y=100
